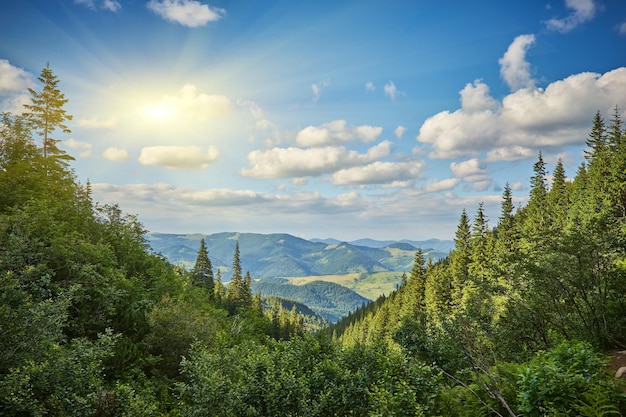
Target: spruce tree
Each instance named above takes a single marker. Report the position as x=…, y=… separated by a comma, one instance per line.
x=202, y=274
x=417, y=281
x=597, y=138
x=235, y=288
x=45, y=114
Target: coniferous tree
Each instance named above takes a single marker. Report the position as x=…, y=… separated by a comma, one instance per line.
x=418, y=280
x=220, y=290
x=45, y=114
x=460, y=258
x=597, y=140
x=202, y=273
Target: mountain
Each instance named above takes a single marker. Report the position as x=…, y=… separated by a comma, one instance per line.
x=284, y=255
x=436, y=244
x=327, y=299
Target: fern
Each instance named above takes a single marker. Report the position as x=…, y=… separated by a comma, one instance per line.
x=596, y=403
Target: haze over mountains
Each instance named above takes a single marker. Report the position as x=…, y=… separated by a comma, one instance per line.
x=284, y=255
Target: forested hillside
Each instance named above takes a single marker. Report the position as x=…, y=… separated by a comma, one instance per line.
x=513, y=322
x=550, y=273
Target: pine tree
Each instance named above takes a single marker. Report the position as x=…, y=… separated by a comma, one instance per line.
x=597, y=141
x=460, y=257
x=45, y=114
x=202, y=274
x=418, y=280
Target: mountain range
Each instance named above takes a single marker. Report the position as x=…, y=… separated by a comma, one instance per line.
x=284, y=255
x=329, y=276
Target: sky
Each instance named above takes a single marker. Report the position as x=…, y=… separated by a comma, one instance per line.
x=348, y=119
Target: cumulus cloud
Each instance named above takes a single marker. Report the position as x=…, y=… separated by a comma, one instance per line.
x=317, y=89
x=472, y=171
x=435, y=186
x=188, y=13
x=369, y=86
x=83, y=148
x=298, y=162
x=512, y=153
x=189, y=103
x=13, y=83
x=621, y=29
x=177, y=157
x=526, y=119
x=336, y=132
x=399, y=131
x=95, y=123
x=379, y=173
x=514, y=68
x=115, y=154
x=110, y=5
x=581, y=12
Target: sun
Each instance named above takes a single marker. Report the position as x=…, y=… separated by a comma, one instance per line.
x=159, y=112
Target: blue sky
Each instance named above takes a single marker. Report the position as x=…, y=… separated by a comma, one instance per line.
x=344, y=119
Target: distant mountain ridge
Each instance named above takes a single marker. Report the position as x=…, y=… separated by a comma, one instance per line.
x=284, y=255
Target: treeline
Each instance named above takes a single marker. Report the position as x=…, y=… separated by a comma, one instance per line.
x=551, y=272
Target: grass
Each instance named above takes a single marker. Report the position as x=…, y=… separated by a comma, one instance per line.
x=370, y=286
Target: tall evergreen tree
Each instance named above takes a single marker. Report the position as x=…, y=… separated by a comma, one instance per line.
x=45, y=114
x=418, y=279
x=202, y=274
x=460, y=258
x=235, y=291
x=597, y=138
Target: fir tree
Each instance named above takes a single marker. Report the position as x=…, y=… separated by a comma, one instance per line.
x=45, y=114
x=202, y=274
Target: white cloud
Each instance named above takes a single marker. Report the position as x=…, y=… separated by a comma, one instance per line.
x=95, y=123
x=475, y=98
x=335, y=132
x=13, y=84
x=512, y=153
x=13, y=79
x=298, y=162
x=470, y=168
x=110, y=5
x=622, y=29
x=173, y=157
x=83, y=148
x=189, y=104
x=379, y=173
x=435, y=186
x=472, y=171
x=581, y=12
x=391, y=91
x=350, y=214
x=115, y=154
x=369, y=86
x=399, y=131
x=188, y=13
x=317, y=89
x=527, y=119
x=514, y=68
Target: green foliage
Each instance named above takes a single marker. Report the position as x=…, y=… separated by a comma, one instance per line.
x=559, y=381
x=308, y=376
x=45, y=114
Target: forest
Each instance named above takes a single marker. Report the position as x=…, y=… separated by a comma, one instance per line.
x=516, y=321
